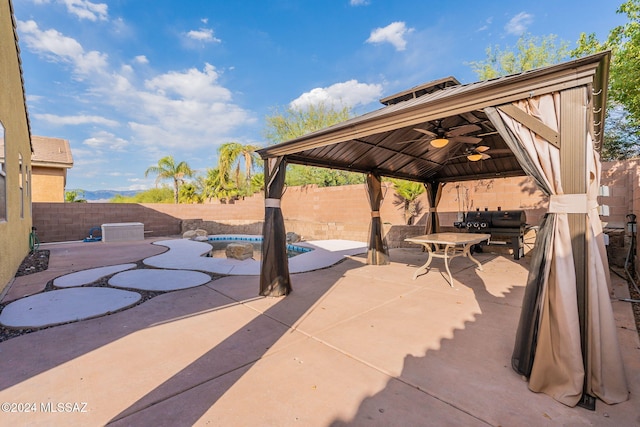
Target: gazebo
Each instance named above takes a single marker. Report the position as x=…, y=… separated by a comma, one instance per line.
x=545, y=123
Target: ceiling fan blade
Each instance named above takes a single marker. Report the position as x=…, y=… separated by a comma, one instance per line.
x=462, y=130
x=487, y=134
x=426, y=132
x=501, y=151
x=408, y=141
x=466, y=139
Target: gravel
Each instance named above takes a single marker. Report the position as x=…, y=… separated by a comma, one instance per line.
x=34, y=262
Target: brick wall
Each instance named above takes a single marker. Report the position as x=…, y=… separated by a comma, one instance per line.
x=58, y=222
x=314, y=213
x=623, y=180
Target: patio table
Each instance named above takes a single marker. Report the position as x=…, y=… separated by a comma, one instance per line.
x=447, y=246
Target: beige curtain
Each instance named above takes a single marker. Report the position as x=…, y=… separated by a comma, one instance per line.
x=550, y=321
x=606, y=377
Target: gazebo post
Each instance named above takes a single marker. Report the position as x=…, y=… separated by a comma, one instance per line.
x=378, y=252
x=573, y=170
x=274, y=267
x=434, y=193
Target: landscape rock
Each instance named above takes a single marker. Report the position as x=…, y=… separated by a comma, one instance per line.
x=201, y=233
x=293, y=237
x=196, y=234
x=239, y=251
x=189, y=234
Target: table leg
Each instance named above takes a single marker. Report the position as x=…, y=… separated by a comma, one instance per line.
x=446, y=262
x=426, y=264
x=467, y=253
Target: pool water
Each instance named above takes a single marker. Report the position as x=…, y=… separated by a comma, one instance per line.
x=219, y=246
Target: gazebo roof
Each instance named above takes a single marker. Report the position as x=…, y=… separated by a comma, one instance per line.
x=387, y=143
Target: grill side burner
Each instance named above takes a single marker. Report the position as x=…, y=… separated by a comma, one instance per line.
x=500, y=224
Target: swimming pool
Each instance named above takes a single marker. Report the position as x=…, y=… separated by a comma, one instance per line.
x=219, y=245
x=186, y=254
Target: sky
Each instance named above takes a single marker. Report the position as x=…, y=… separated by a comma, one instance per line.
x=128, y=82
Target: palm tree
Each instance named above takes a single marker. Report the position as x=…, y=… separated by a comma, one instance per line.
x=230, y=154
x=407, y=193
x=189, y=193
x=216, y=185
x=168, y=169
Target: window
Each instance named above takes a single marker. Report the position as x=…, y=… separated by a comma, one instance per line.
x=21, y=183
x=29, y=195
x=3, y=177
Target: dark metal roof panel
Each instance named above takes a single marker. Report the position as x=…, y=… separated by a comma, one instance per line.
x=386, y=141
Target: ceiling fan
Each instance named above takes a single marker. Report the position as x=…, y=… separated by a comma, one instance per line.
x=479, y=152
x=440, y=136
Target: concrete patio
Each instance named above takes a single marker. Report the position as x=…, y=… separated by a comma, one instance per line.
x=352, y=345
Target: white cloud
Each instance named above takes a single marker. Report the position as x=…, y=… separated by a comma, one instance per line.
x=349, y=93
x=145, y=185
x=393, y=33
x=359, y=2
x=141, y=59
x=75, y=120
x=177, y=109
x=203, y=35
x=32, y=99
x=486, y=25
x=103, y=140
x=192, y=84
x=519, y=23
x=186, y=109
x=85, y=9
x=56, y=47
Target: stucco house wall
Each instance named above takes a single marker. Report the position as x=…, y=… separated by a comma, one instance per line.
x=50, y=161
x=48, y=184
x=16, y=152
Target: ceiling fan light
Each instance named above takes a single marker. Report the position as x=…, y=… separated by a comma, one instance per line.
x=474, y=157
x=439, y=142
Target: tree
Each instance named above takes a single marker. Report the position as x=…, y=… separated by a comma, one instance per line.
x=624, y=82
x=216, y=185
x=621, y=129
x=292, y=123
x=231, y=154
x=621, y=139
x=407, y=193
x=322, y=177
x=167, y=168
x=530, y=52
x=257, y=182
x=74, y=196
x=295, y=122
x=189, y=193
x=153, y=195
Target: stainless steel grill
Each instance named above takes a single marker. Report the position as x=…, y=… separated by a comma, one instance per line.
x=502, y=225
